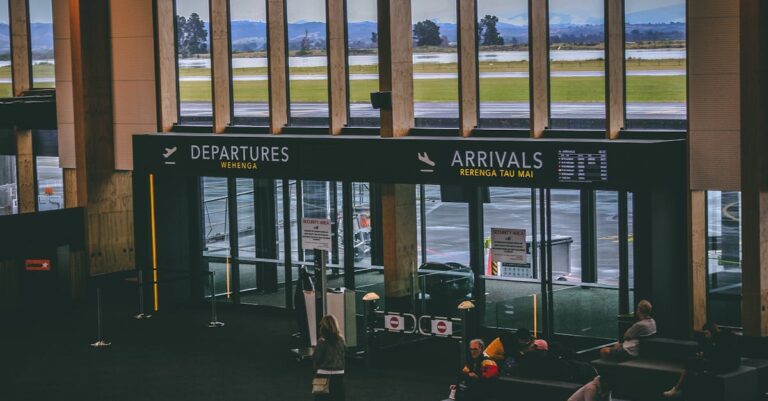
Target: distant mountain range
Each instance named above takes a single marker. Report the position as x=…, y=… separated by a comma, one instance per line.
x=665, y=23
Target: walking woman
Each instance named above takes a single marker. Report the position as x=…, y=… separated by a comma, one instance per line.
x=329, y=359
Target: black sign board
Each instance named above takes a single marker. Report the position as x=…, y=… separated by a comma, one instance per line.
x=596, y=164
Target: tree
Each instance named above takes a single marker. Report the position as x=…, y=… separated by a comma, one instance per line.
x=191, y=35
x=374, y=38
x=491, y=36
x=305, y=44
x=427, y=33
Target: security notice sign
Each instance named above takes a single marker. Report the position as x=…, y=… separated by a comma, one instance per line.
x=508, y=245
x=316, y=234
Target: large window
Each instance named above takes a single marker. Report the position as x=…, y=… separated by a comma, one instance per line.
x=250, y=91
x=435, y=64
x=577, y=64
x=363, y=61
x=504, y=93
x=193, y=53
x=724, y=257
x=41, y=40
x=5, y=52
x=8, y=188
x=307, y=62
x=655, y=64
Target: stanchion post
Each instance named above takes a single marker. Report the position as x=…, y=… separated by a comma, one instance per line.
x=214, y=323
x=100, y=343
x=464, y=308
x=141, y=314
x=370, y=300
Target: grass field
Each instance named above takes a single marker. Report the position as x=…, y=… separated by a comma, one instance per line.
x=575, y=89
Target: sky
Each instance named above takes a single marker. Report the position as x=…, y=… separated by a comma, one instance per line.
x=508, y=11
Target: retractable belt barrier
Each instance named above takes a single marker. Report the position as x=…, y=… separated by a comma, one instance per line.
x=425, y=325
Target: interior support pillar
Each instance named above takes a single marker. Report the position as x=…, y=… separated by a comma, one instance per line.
x=614, y=66
x=22, y=82
x=538, y=32
x=396, y=66
x=337, y=65
x=277, y=53
x=220, y=65
x=468, y=67
x=754, y=164
x=105, y=193
x=399, y=228
x=697, y=252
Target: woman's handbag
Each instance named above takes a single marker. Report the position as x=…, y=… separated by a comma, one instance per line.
x=321, y=385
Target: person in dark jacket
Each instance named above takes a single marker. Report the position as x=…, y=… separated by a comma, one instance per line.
x=329, y=358
x=718, y=354
x=475, y=378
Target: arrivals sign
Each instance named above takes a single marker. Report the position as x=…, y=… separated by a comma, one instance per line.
x=511, y=162
x=508, y=245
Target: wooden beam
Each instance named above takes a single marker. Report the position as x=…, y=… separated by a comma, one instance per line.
x=614, y=66
x=168, y=111
x=697, y=253
x=70, y=187
x=538, y=34
x=754, y=164
x=337, y=64
x=21, y=61
x=277, y=52
x=25, y=169
x=220, y=65
x=399, y=238
x=468, y=68
x=396, y=65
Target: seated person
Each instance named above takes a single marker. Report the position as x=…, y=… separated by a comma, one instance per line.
x=718, y=354
x=505, y=349
x=534, y=361
x=599, y=389
x=629, y=347
x=472, y=383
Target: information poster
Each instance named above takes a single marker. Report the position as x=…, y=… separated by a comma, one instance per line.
x=316, y=234
x=508, y=245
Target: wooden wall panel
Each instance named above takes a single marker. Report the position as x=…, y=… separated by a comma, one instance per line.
x=278, y=65
x=134, y=85
x=396, y=66
x=468, y=68
x=220, y=62
x=538, y=33
x=337, y=65
x=20, y=45
x=713, y=95
x=754, y=165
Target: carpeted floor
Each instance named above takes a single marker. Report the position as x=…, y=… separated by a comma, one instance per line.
x=174, y=356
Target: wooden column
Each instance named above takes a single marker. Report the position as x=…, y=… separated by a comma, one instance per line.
x=168, y=111
x=697, y=253
x=754, y=164
x=105, y=193
x=399, y=230
x=70, y=187
x=614, y=66
x=22, y=82
x=538, y=48
x=220, y=62
x=25, y=168
x=65, y=118
x=468, y=68
x=21, y=49
x=277, y=45
x=337, y=64
x=396, y=65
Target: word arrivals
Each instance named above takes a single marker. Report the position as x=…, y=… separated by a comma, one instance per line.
x=496, y=159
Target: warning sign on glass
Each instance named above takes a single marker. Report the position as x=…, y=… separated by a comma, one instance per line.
x=508, y=245
x=316, y=234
